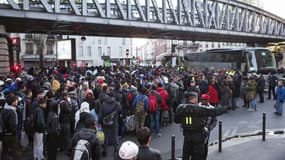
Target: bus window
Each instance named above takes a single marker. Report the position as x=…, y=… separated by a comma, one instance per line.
x=251, y=61
x=265, y=59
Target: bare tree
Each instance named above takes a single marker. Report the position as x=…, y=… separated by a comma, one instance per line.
x=40, y=41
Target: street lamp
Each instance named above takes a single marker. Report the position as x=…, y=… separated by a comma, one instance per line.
x=83, y=39
x=127, y=54
x=174, y=44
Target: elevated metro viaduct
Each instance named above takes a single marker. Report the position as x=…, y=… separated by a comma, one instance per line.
x=197, y=20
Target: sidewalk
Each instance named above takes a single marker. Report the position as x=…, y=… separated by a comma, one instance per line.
x=250, y=148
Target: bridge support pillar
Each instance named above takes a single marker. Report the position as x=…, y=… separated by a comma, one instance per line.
x=4, y=52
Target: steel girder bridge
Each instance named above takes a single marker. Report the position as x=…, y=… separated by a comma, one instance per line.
x=210, y=20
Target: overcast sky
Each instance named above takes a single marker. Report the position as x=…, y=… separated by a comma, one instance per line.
x=275, y=6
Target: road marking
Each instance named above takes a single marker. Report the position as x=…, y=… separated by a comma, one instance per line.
x=234, y=131
x=227, y=133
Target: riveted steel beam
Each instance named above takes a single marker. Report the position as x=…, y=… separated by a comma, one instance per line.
x=13, y=4
x=141, y=13
x=215, y=15
x=123, y=14
x=170, y=4
x=84, y=7
x=157, y=12
x=74, y=7
x=46, y=6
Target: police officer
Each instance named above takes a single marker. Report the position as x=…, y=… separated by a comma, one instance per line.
x=211, y=121
x=192, y=117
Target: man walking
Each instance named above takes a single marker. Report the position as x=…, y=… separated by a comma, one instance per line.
x=280, y=97
x=9, y=139
x=145, y=151
x=40, y=128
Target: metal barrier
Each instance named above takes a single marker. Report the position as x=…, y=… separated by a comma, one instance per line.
x=173, y=147
x=263, y=126
x=220, y=136
x=263, y=133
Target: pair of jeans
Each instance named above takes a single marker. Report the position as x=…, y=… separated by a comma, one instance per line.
x=38, y=146
x=154, y=121
x=279, y=107
x=252, y=104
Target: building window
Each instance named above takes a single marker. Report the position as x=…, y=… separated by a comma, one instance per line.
x=106, y=41
x=219, y=45
x=124, y=41
x=89, y=51
x=109, y=51
x=81, y=51
x=121, y=51
x=99, y=51
x=99, y=42
x=49, y=49
x=213, y=45
x=29, y=48
x=206, y=46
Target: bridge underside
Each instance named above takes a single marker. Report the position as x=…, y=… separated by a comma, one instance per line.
x=92, y=26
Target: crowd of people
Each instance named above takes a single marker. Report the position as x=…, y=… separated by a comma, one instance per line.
x=57, y=107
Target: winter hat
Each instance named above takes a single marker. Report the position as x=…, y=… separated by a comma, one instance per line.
x=19, y=79
x=100, y=81
x=88, y=91
x=128, y=150
x=205, y=97
x=84, y=107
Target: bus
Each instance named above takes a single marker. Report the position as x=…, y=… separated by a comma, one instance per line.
x=246, y=60
x=279, y=51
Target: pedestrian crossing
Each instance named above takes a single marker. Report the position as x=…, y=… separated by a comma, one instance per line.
x=230, y=132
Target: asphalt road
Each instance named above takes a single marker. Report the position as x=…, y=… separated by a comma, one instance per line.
x=238, y=122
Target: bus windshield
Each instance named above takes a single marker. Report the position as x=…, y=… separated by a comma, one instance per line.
x=265, y=60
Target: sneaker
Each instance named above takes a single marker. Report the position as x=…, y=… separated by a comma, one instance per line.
x=278, y=114
x=158, y=135
x=250, y=109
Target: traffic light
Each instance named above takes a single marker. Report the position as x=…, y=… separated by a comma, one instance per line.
x=17, y=68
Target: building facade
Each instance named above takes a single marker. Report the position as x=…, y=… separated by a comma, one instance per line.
x=93, y=50
x=165, y=50
x=88, y=50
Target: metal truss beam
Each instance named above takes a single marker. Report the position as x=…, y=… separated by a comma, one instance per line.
x=221, y=15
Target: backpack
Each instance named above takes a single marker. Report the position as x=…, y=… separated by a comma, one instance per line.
x=130, y=97
x=139, y=110
x=53, y=125
x=152, y=103
x=81, y=150
x=130, y=123
x=109, y=119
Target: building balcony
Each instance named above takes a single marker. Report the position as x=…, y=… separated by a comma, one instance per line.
x=28, y=37
x=50, y=52
x=29, y=52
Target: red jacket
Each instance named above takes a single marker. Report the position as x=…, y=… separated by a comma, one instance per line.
x=213, y=93
x=164, y=96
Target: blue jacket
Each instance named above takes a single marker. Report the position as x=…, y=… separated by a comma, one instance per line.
x=13, y=87
x=280, y=94
x=139, y=98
